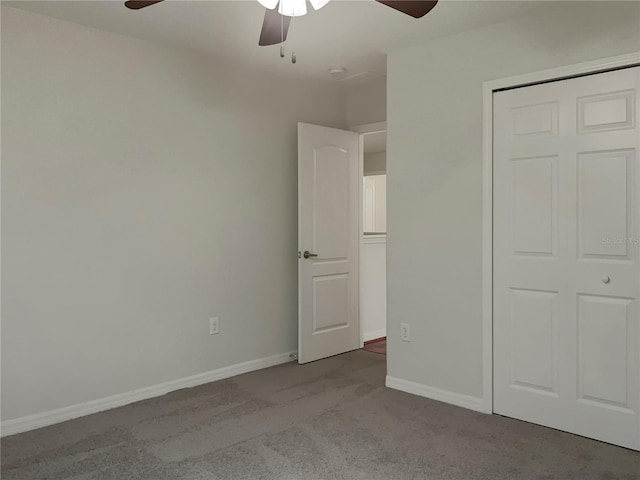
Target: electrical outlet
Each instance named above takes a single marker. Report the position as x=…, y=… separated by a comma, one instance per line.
x=214, y=325
x=405, y=333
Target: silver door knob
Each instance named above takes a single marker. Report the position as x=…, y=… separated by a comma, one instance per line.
x=308, y=254
x=606, y=279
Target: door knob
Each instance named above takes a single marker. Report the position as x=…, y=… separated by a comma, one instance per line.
x=606, y=279
x=308, y=254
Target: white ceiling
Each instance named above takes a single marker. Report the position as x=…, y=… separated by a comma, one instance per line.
x=355, y=34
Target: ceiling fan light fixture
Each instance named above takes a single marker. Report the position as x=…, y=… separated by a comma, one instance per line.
x=293, y=8
x=318, y=4
x=270, y=4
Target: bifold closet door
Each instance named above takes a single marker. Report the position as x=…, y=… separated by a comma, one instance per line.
x=566, y=271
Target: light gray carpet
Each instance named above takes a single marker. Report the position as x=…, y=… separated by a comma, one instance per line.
x=331, y=419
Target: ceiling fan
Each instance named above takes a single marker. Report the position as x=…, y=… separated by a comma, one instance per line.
x=276, y=20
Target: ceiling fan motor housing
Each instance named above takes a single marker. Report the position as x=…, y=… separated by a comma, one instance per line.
x=292, y=8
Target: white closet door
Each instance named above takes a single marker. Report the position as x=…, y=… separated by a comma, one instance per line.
x=566, y=274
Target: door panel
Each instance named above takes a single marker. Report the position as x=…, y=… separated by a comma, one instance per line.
x=540, y=119
x=566, y=274
x=330, y=302
x=328, y=226
x=604, y=204
x=603, y=357
x=330, y=196
x=608, y=111
x=534, y=317
x=535, y=207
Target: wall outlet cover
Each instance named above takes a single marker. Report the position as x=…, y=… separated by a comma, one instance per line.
x=405, y=332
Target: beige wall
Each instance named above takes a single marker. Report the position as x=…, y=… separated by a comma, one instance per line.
x=375, y=163
x=367, y=103
x=143, y=191
x=434, y=167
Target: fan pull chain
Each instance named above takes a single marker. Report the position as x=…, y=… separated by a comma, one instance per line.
x=294, y=59
x=281, y=36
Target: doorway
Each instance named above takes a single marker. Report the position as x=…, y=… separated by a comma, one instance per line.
x=373, y=242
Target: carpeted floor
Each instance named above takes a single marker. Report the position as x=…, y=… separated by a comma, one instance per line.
x=331, y=419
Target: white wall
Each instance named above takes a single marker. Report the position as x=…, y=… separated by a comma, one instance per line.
x=367, y=103
x=435, y=177
x=143, y=191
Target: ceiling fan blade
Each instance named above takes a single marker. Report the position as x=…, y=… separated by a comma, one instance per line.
x=273, y=28
x=138, y=4
x=415, y=8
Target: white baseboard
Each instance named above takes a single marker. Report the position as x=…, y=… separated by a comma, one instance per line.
x=373, y=335
x=38, y=420
x=464, y=401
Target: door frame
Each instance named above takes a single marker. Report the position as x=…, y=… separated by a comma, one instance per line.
x=363, y=130
x=488, y=88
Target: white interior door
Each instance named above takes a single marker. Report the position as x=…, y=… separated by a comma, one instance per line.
x=566, y=275
x=328, y=232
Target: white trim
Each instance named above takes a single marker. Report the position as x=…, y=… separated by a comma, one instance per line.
x=446, y=396
x=374, y=335
x=38, y=420
x=372, y=239
x=487, y=248
x=360, y=229
x=568, y=71
x=370, y=128
x=488, y=88
x=299, y=265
